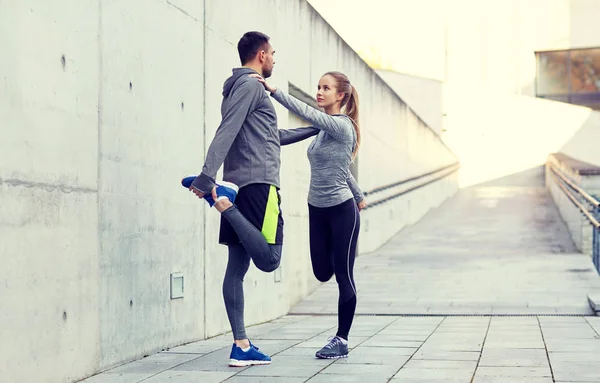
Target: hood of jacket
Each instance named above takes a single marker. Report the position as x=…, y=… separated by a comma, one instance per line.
x=236, y=74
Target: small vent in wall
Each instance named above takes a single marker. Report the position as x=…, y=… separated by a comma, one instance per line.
x=176, y=285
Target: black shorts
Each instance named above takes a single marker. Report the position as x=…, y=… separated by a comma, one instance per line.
x=260, y=204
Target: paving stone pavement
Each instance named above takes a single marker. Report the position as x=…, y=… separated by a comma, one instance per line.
x=489, y=250
x=486, y=288
x=455, y=349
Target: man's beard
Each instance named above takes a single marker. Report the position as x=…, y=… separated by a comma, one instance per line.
x=267, y=72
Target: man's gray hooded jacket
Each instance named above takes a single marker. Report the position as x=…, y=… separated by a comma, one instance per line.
x=247, y=141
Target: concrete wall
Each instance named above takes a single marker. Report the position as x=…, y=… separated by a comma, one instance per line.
x=584, y=144
x=583, y=16
x=94, y=140
x=570, y=214
x=50, y=312
x=104, y=108
x=381, y=222
x=151, y=110
x=424, y=96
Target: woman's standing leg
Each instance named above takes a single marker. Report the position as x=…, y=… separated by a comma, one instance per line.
x=345, y=224
x=346, y=228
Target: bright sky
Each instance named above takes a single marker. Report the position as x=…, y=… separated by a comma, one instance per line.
x=407, y=35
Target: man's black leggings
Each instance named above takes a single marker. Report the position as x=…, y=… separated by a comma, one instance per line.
x=333, y=235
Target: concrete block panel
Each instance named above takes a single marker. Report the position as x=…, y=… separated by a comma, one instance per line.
x=152, y=98
x=49, y=87
x=152, y=110
x=143, y=241
x=230, y=19
x=50, y=312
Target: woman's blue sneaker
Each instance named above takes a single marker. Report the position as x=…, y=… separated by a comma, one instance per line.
x=224, y=190
x=241, y=358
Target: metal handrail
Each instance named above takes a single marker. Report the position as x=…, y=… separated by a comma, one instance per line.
x=579, y=190
x=583, y=209
x=383, y=200
x=389, y=186
x=562, y=182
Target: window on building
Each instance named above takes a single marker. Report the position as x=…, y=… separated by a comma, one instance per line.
x=571, y=76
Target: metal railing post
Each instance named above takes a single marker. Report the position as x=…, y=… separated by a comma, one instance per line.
x=596, y=242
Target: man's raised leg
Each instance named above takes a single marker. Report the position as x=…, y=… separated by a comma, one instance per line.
x=266, y=257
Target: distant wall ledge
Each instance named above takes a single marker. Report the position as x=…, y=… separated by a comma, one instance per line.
x=573, y=165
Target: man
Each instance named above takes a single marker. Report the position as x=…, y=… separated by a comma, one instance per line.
x=247, y=142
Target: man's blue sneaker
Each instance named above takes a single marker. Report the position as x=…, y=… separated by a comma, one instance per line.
x=241, y=358
x=224, y=190
x=227, y=190
x=187, y=181
x=336, y=348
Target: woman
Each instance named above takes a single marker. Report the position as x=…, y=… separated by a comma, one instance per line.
x=334, y=198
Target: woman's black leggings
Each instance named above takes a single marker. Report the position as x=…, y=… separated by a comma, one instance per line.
x=333, y=234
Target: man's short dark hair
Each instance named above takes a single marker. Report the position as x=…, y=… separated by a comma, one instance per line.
x=250, y=44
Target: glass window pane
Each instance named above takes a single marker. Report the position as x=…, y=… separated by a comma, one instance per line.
x=585, y=71
x=552, y=73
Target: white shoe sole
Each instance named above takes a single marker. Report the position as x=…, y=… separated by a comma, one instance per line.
x=229, y=185
x=246, y=363
x=331, y=357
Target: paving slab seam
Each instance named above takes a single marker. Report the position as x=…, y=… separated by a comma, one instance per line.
x=487, y=331
x=546, y=349
x=136, y=360
x=593, y=328
x=418, y=348
x=321, y=370
x=168, y=369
